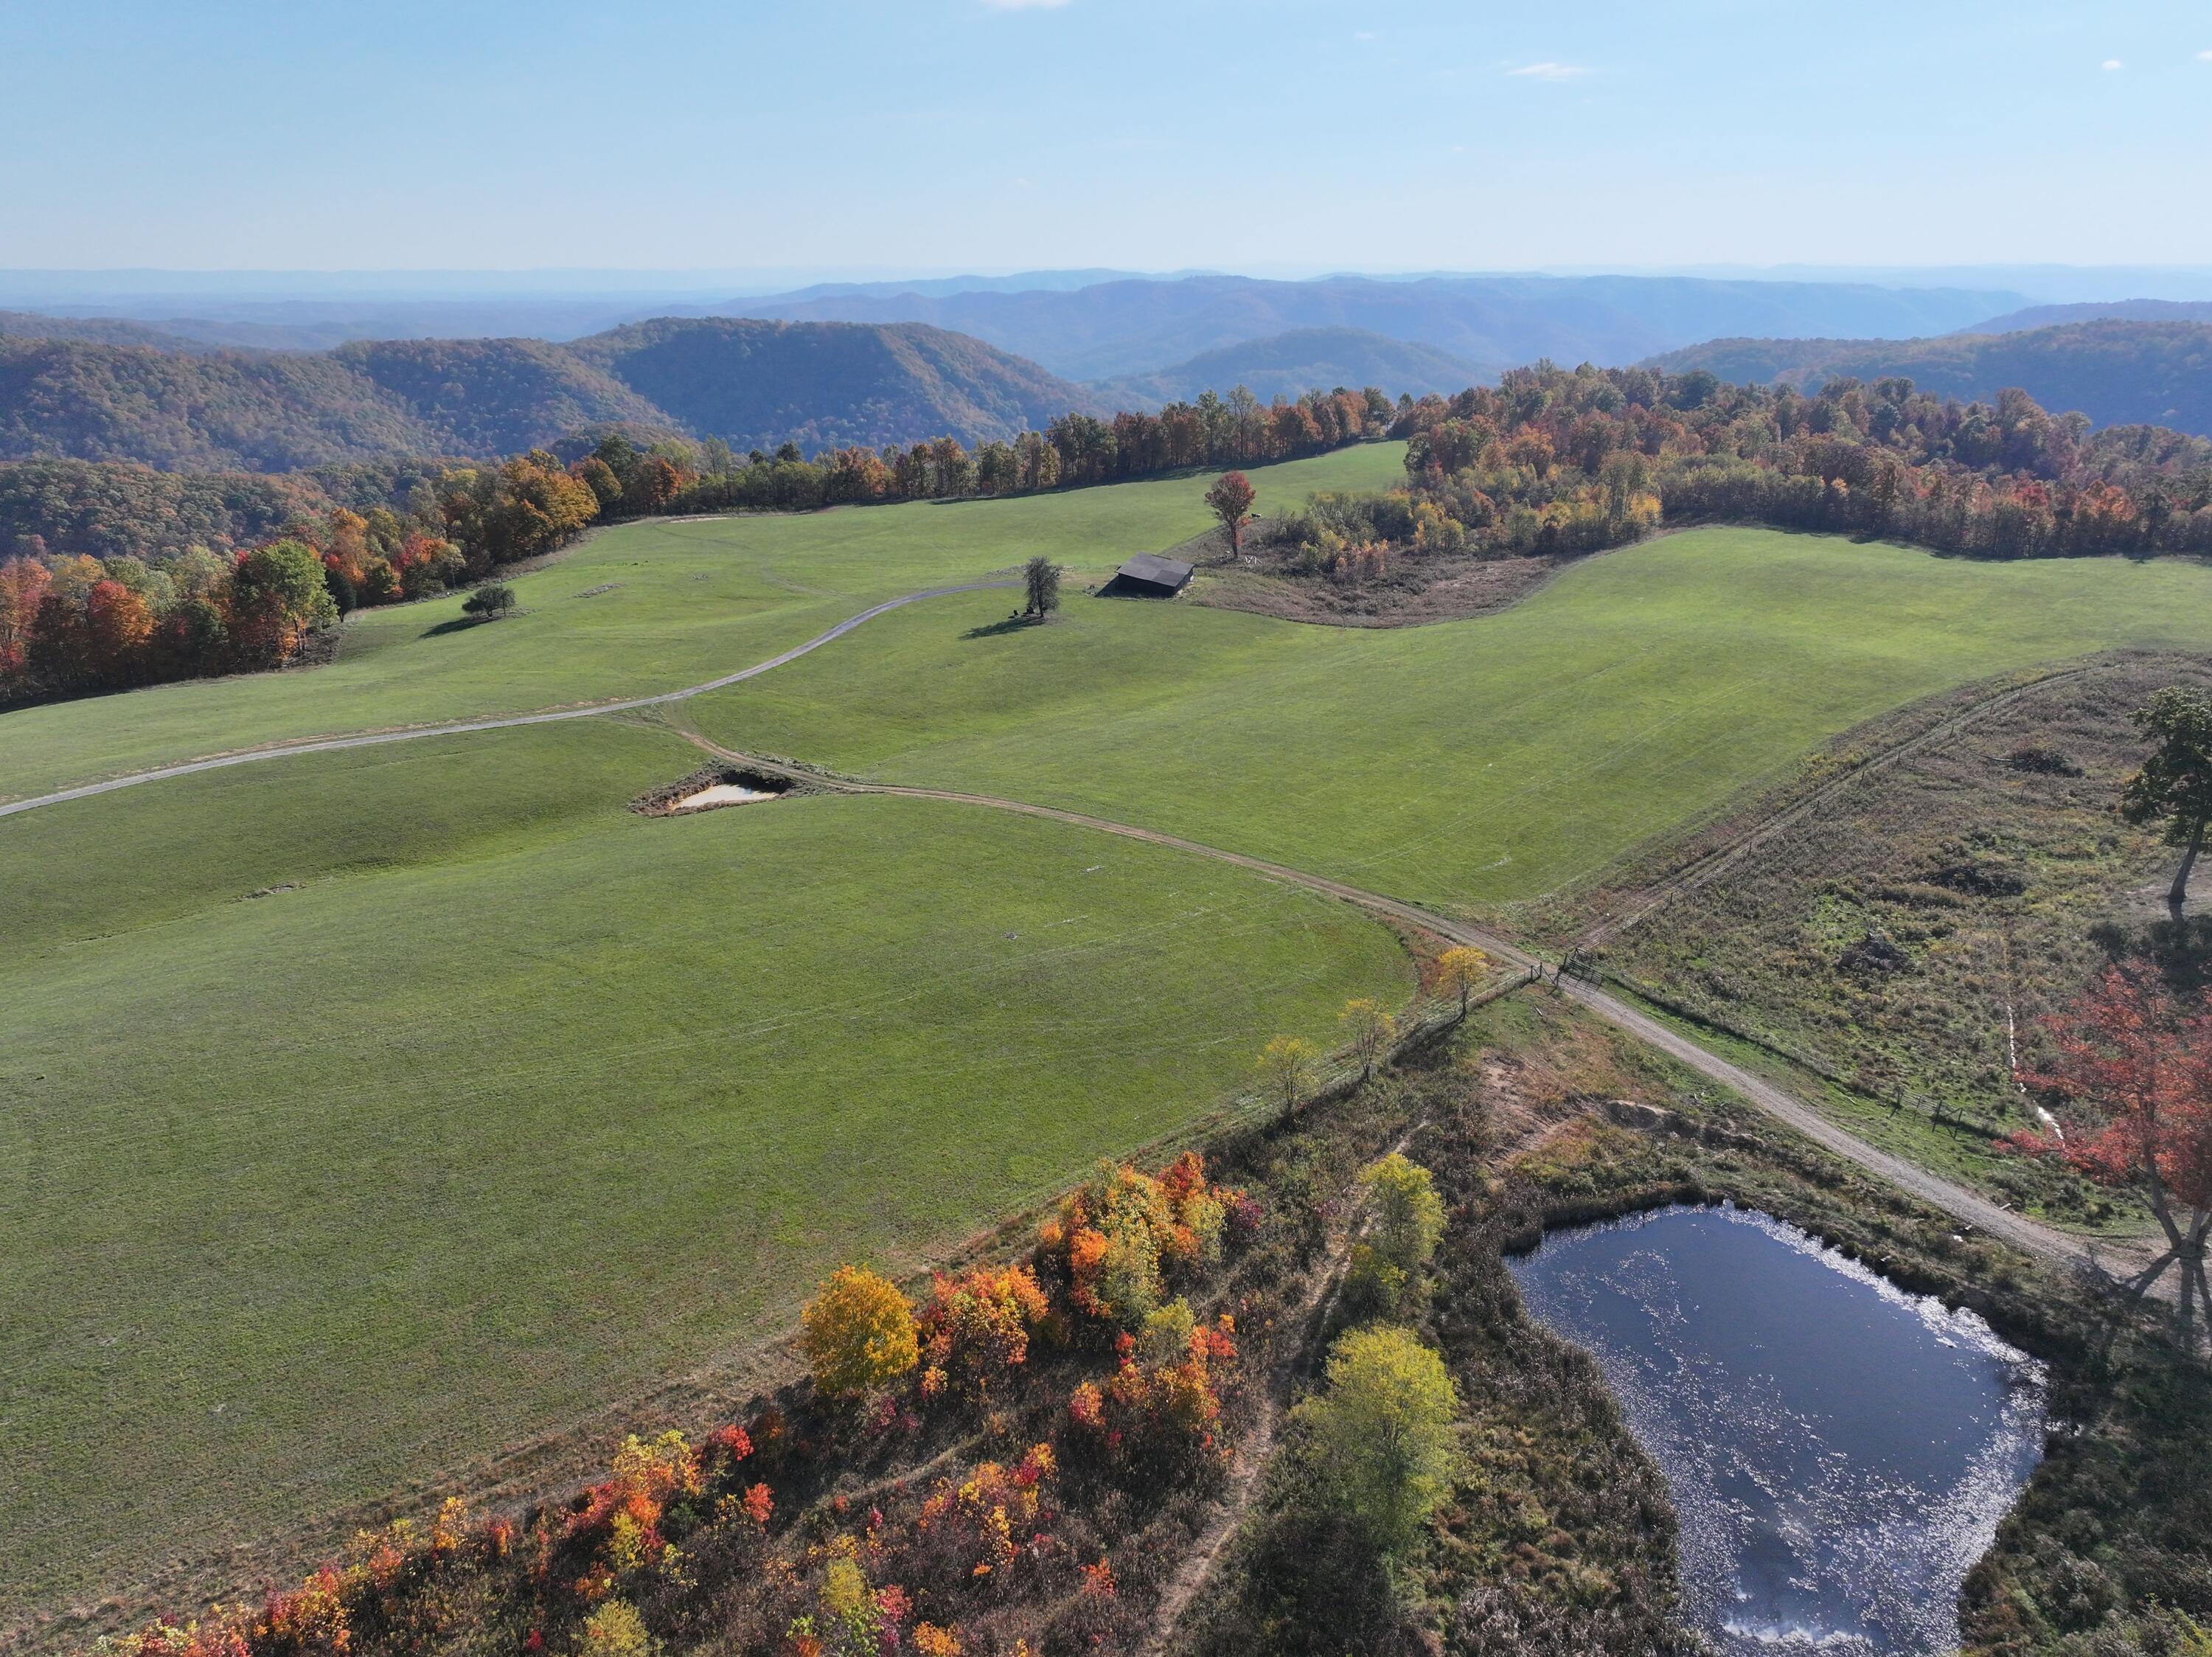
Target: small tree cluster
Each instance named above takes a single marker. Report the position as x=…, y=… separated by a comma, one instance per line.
x=976, y=1326
x=1119, y=1234
x=1163, y=1401
x=1404, y=1219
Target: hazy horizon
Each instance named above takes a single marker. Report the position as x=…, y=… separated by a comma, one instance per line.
x=1011, y=135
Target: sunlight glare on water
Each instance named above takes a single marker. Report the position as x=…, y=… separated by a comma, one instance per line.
x=1839, y=1452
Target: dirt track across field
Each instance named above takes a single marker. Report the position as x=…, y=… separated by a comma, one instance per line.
x=588, y=710
x=2044, y=1242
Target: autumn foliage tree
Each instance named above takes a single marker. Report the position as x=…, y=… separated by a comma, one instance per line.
x=858, y=1333
x=2135, y=1067
x=1231, y=500
x=1286, y=1068
x=1380, y=1434
x=1460, y=971
x=1368, y=1027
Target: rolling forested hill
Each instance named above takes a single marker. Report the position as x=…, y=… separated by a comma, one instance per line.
x=1304, y=359
x=95, y=330
x=755, y=384
x=2116, y=372
x=1115, y=328
x=758, y=384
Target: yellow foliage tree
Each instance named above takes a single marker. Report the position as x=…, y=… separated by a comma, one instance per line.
x=858, y=1332
x=1462, y=970
x=1286, y=1064
x=1368, y=1027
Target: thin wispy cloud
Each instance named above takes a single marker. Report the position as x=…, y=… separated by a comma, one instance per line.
x=1548, y=70
x=2114, y=63
x=2204, y=57
x=1369, y=35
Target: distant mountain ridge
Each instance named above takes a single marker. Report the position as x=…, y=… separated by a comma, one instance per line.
x=1119, y=328
x=753, y=383
x=1304, y=359
x=2115, y=371
x=2124, y=310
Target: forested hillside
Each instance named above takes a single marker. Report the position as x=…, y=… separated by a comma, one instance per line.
x=2116, y=372
x=750, y=384
x=1303, y=360
x=94, y=330
x=757, y=384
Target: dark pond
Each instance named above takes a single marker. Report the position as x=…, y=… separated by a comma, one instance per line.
x=1839, y=1452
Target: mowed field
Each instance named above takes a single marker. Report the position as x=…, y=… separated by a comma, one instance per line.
x=1477, y=764
x=499, y=1103
x=640, y=608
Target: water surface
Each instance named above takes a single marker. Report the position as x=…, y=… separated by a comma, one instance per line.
x=1840, y=1452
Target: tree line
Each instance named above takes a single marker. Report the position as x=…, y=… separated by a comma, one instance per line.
x=1553, y=462
x=316, y=545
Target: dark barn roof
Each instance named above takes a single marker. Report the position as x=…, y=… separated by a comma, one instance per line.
x=1150, y=576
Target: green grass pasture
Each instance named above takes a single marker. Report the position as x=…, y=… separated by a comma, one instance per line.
x=672, y=603
x=1478, y=763
x=513, y=1103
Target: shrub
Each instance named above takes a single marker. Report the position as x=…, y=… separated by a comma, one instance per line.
x=616, y=1630
x=1124, y=1230
x=984, y=1521
x=976, y=1326
x=858, y=1333
x=1164, y=1401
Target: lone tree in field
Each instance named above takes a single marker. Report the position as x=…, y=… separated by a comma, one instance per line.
x=1380, y=1435
x=858, y=1333
x=489, y=602
x=1461, y=969
x=2175, y=784
x=1230, y=499
x=1041, y=577
x=1286, y=1064
x=1368, y=1027
x=2137, y=1066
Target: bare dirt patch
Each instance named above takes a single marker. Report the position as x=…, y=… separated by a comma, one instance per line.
x=1414, y=591
x=712, y=787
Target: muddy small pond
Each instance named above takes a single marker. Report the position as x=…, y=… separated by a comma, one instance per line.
x=1839, y=1452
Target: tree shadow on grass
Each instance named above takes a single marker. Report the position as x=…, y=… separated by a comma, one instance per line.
x=994, y=629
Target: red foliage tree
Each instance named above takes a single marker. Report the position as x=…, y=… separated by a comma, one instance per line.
x=1231, y=500
x=2137, y=1065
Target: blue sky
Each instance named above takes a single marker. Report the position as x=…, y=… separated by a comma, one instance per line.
x=1272, y=135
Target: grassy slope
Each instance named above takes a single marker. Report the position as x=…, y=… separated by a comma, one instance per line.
x=693, y=600
x=516, y=1103
x=1483, y=762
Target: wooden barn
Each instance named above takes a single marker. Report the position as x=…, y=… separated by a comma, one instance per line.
x=1148, y=575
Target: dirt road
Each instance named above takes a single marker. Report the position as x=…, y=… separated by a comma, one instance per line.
x=588, y=710
x=2030, y=1236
